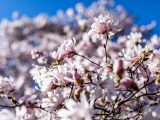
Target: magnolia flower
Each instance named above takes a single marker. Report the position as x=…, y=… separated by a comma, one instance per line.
x=103, y=85
x=105, y=25
x=21, y=112
x=54, y=100
x=43, y=77
x=66, y=73
x=46, y=78
x=154, y=62
x=76, y=110
x=65, y=50
x=7, y=86
x=133, y=56
x=62, y=75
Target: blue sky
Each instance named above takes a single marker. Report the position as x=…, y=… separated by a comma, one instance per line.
x=34, y=7
x=145, y=10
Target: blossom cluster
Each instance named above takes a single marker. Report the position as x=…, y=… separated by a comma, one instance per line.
x=83, y=64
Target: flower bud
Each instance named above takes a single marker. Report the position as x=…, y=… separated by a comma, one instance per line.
x=158, y=80
x=118, y=67
x=116, y=79
x=129, y=83
x=77, y=77
x=66, y=50
x=77, y=92
x=109, y=68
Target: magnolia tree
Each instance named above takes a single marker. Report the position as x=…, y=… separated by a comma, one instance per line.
x=83, y=64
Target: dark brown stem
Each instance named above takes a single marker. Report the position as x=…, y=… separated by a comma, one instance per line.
x=105, y=48
x=88, y=59
x=70, y=95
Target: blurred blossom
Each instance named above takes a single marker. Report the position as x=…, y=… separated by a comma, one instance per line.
x=154, y=62
x=7, y=86
x=7, y=115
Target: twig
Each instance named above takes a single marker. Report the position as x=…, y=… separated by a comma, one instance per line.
x=88, y=59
